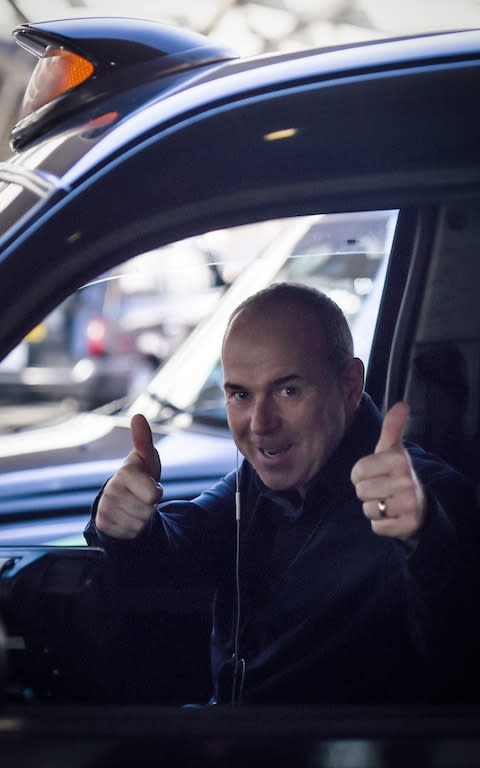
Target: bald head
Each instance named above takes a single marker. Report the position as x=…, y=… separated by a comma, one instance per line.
x=313, y=313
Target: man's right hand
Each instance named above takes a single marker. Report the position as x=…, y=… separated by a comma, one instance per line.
x=127, y=502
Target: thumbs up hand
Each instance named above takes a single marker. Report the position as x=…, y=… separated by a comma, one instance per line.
x=127, y=502
x=393, y=497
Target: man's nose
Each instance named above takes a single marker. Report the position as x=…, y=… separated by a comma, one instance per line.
x=265, y=417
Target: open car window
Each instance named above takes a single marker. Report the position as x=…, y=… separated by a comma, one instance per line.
x=146, y=337
x=113, y=337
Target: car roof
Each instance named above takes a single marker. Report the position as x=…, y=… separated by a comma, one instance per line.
x=194, y=75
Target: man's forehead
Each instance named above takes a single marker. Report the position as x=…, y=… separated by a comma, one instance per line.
x=267, y=357
x=274, y=308
x=282, y=325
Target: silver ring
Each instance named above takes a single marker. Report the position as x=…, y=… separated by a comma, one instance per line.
x=382, y=508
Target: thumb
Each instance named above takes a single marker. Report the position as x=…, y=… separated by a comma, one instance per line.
x=143, y=445
x=393, y=427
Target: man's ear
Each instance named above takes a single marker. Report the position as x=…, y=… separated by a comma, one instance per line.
x=353, y=380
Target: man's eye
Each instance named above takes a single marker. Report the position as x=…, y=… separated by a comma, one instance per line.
x=288, y=391
x=240, y=395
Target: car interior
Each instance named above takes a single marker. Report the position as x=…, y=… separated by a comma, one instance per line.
x=443, y=384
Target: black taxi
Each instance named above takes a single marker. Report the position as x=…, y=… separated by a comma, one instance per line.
x=133, y=136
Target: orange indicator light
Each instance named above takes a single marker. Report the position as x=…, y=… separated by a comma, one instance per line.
x=57, y=72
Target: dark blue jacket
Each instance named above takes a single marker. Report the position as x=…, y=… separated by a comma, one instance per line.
x=330, y=613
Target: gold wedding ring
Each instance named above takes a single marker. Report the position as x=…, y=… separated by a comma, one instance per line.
x=382, y=507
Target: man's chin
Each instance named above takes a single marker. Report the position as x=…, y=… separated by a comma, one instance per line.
x=276, y=482
x=282, y=481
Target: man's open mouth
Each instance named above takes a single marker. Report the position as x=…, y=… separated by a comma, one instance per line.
x=270, y=452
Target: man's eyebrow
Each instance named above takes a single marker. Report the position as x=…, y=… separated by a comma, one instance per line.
x=287, y=379
x=230, y=386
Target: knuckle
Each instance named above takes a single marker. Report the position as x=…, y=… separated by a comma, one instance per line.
x=149, y=496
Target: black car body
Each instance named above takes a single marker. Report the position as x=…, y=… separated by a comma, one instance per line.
x=168, y=137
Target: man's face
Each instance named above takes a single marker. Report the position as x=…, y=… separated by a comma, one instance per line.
x=287, y=409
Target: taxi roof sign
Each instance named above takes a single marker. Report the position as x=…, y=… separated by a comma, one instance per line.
x=82, y=59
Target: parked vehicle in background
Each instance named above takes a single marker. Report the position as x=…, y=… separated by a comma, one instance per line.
x=107, y=339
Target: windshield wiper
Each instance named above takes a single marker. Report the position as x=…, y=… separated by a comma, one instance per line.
x=213, y=414
x=167, y=409
x=205, y=413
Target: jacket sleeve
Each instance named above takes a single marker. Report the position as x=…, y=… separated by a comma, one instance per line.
x=448, y=545
x=443, y=574
x=184, y=541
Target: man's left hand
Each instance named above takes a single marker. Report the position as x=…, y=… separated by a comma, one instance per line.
x=393, y=497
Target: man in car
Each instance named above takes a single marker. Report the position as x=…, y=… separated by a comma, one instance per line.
x=343, y=558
